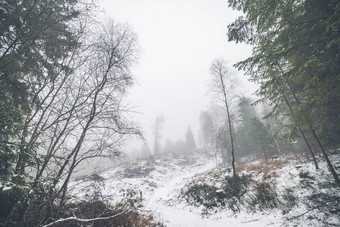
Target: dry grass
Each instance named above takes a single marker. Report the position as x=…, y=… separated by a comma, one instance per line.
x=267, y=169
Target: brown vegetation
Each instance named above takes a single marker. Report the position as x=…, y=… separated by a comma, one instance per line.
x=96, y=213
x=267, y=169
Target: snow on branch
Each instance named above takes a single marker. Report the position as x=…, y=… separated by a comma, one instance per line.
x=62, y=220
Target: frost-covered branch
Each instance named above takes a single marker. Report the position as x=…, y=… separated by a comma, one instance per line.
x=62, y=220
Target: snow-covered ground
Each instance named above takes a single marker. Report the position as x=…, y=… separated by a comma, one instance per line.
x=156, y=187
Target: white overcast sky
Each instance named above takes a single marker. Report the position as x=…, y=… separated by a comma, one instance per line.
x=179, y=41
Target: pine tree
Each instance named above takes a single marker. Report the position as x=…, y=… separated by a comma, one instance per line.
x=190, y=144
x=295, y=58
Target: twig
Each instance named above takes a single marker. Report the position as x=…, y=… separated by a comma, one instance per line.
x=83, y=220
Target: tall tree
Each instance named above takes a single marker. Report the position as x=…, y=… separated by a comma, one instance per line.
x=75, y=107
x=245, y=140
x=253, y=135
x=223, y=86
x=261, y=135
x=299, y=40
x=35, y=38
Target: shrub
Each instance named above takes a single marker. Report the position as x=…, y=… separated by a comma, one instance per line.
x=206, y=195
x=289, y=198
x=265, y=196
x=230, y=195
x=307, y=181
x=305, y=175
x=139, y=171
x=13, y=201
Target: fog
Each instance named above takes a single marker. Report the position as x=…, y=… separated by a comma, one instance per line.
x=179, y=40
x=132, y=113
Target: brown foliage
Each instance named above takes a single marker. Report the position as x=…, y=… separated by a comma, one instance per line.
x=268, y=169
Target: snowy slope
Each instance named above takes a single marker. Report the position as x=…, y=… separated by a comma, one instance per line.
x=156, y=187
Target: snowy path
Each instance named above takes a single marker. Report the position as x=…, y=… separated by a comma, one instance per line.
x=161, y=190
x=159, y=204
x=159, y=183
x=171, y=186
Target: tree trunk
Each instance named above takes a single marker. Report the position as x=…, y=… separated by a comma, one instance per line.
x=330, y=166
x=275, y=140
x=302, y=133
x=230, y=130
x=264, y=152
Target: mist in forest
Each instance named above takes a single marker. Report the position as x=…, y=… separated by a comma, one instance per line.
x=179, y=41
x=169, y=113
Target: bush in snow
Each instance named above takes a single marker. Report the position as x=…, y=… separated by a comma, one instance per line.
x=264, y=197
x=230, y=195
x=12, y=200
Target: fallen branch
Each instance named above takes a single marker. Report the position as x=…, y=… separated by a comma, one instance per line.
x=62, y=220
x=300, y=215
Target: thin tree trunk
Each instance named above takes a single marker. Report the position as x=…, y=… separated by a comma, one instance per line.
x=275, y=140
x=264, y=152
x=302, y=133
x=329, y=164
x=232, y=147
x=230, y=128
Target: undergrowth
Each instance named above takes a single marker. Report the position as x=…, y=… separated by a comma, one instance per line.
x=233, y=194
x=254, y=191
x=309, y=195
x=39, y=214
x=229, y=196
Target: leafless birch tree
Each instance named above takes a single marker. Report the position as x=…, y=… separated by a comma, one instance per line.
x=223, y=86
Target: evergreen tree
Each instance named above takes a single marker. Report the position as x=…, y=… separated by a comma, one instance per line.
x=261, y=135
x=207, y=128
x=245, y=140
x=254, y=138
x=35, y=37
x=295, y=58
x=190, y=144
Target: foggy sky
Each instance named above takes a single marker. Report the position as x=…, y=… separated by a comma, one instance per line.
x=179, y=41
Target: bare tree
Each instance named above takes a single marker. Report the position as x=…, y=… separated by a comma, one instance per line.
x=223, y=86
x=81, y=112
x=76, y=72
x=101, y=120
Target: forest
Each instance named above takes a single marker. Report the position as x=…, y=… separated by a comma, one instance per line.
x=65, y=74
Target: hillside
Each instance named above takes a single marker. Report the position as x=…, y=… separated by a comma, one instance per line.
x=183, y=192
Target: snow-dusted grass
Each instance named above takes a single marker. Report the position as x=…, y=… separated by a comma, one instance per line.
x=303, y=195
x=289, y=193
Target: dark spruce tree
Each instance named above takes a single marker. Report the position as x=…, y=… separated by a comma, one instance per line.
x=296, y=58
